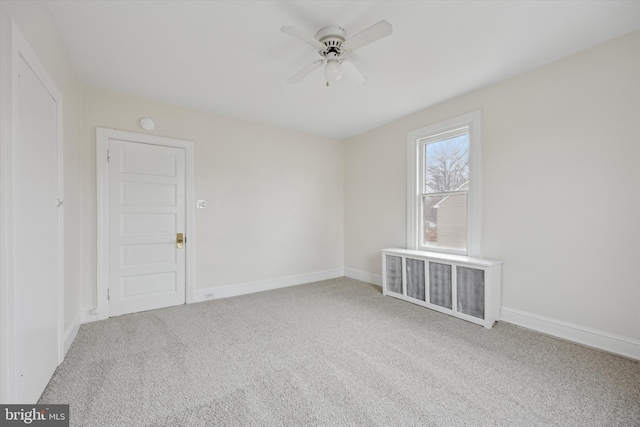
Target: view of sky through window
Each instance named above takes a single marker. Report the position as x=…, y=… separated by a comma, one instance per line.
x=447, y=164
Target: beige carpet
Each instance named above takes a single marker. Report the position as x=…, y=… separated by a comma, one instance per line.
x=334, y=353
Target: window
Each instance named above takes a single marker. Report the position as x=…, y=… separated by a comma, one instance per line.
x=443, y=212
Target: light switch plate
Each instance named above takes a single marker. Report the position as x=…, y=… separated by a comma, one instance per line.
x=201, y=204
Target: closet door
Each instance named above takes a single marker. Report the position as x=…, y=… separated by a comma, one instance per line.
x=38, y=230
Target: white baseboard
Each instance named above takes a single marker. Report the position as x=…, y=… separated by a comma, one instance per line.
x=264, y=285
x=363, y=276
x=71, y=332
x=590, y=337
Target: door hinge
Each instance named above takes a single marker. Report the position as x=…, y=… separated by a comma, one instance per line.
x=108, y=155
x=19, y=83
x=108, y=294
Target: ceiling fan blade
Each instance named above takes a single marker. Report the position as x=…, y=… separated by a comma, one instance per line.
x=371, y=34
x=294, y=32
x=306, y=71
x=352, y=73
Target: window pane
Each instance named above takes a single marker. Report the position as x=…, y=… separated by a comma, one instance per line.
x=447, y=165
x=444, y=221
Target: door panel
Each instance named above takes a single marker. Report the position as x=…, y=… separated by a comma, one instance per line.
x=146, y=211
x=147, y=284
x=138, y=193
x=148, y=164
x=149, y=254
x=136, y=223
x=37, y=234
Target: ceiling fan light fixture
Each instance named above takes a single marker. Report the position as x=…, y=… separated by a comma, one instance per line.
x=334, y=46
x=332, y=71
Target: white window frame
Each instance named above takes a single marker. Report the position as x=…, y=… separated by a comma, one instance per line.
x=474, y=196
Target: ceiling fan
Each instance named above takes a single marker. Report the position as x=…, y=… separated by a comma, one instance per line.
x=333, y=45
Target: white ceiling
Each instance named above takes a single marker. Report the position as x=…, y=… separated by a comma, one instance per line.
x=230, y=57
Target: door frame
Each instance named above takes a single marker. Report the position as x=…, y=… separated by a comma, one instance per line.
x=103, y=135
x=14, y=46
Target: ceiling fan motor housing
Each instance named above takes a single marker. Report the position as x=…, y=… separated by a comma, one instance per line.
x=332, y=37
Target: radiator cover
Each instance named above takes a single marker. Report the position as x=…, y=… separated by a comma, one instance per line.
x=464, y=287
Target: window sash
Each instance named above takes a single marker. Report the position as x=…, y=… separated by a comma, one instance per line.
x=448, y=193
x=423, y=244
x=431, y=139
x=447, y=134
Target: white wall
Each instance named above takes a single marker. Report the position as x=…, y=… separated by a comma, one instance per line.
x=561, y=206
x=274, y=197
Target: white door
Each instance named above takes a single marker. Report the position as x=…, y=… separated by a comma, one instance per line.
x=37, y=236
x=146, y=218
